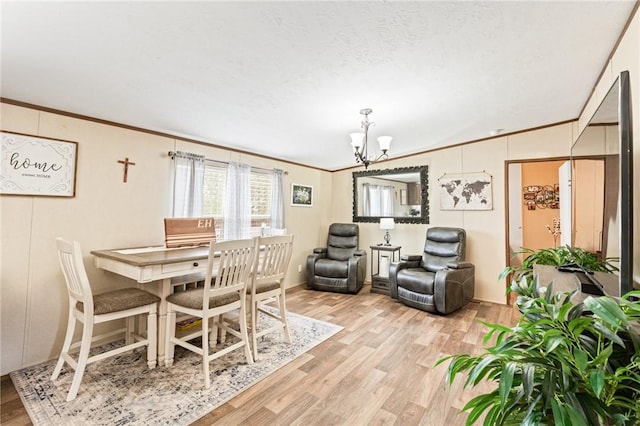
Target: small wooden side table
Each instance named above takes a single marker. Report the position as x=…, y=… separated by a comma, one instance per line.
x=380, y=278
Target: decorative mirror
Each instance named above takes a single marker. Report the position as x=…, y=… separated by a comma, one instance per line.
x=399, y=193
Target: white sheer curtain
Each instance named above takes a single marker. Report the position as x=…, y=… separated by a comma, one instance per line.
x=237, y=206
x=386, y=200
x=378, y=200
x=371, y=200
x=277, y=200
x=188, y=182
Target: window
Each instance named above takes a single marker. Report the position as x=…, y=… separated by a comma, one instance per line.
x=215, y=182
x=261, y=197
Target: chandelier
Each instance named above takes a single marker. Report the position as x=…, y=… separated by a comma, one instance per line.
x=359, y=142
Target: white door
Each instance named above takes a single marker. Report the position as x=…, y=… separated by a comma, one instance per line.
x=564, y=179
x=515, y=209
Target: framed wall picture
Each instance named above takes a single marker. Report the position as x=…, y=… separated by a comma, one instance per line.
x=33, y=165
x=466, y=191
x=301, y=195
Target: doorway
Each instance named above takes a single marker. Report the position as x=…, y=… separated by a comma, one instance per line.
x=535, y=213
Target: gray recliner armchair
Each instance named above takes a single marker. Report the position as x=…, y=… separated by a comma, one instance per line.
x=341, y=266
x=439, y=280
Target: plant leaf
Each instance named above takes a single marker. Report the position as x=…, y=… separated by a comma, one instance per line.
x=608, y=310
x=574, y=409
x=554, y=342
x=581, y=358
x=596, y=378
x=506, y=380
x=575, y=312
x=478, y=405
x=559, y=414
x=602, y=358
x=608, y=333
x=528, y=376
x=481, y=369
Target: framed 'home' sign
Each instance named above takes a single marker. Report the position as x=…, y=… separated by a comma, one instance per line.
x=33, y=165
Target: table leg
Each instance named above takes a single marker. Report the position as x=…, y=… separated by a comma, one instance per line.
x=162, y=291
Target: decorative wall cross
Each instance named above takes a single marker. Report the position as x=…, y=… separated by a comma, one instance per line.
x=126, y=163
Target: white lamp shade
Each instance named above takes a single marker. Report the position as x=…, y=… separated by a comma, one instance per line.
x=387, y=223
x=385, y=142
x=357, y=140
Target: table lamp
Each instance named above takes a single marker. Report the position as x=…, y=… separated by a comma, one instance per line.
x=387, y=223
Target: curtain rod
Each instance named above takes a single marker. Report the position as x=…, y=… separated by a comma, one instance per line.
x=173, y=154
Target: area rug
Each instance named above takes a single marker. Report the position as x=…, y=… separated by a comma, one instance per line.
x=122, y=391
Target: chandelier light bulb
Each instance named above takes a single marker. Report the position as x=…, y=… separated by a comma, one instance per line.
x=357, y=140
x=385, y=143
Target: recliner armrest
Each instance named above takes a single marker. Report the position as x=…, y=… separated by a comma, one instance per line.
x=406, y=261
x=411, y=257
x=454, y=287
x=320, y=250
x=459, y=265
x=357, y=266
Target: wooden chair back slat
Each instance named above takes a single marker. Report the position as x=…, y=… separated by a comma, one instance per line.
x=75, y=275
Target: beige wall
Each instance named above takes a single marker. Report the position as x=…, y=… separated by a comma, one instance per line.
x=106, y=213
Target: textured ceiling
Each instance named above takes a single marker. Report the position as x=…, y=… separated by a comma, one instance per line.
x=288, y=79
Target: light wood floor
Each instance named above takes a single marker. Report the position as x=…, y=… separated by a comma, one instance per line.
x=379, y=370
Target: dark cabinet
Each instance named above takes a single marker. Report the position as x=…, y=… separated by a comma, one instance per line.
x=381, y=258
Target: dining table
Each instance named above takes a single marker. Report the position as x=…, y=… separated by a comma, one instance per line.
x=156, y=269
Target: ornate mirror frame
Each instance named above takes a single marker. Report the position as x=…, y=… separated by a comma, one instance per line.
x=423, y=217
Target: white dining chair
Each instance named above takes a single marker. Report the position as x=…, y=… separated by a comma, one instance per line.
x=267, y=285
x=224, y=290
x=92, y=309
x=269, y=232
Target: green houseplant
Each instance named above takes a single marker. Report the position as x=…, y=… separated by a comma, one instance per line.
x=558, y=256
x=561, y=364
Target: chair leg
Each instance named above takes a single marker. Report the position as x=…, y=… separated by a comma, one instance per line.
x=243, y=330
x=152, y=337
x=283, y=318
x=129, y=329
x=205, y=352
x=68, y=338
x=222, y=333
x=254, y=328
x=215, y=331
x=170, y=334
x=85, y=346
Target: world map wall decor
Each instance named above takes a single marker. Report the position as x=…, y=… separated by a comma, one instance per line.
x=465, y=191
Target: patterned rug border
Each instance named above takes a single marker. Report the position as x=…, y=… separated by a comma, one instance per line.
x=187, y=400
